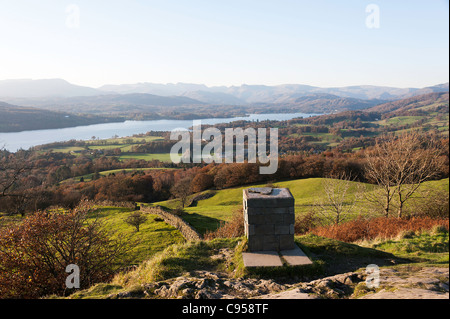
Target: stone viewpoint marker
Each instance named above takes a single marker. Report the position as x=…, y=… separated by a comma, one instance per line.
x=269, y=218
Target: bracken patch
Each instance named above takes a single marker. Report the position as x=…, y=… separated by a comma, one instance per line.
x=363, y=229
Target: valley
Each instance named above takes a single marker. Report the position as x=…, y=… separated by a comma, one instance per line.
x=108, y=178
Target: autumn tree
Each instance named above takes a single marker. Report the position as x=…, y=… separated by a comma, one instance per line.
x=14, y=182
x=34, y=254
x=12, y=168
x=201, y=182
x=182, y=189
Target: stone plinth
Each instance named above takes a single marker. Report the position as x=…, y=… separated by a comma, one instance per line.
x=262, y=259
x=269, y=219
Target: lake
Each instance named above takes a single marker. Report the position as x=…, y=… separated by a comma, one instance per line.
x=26, y=139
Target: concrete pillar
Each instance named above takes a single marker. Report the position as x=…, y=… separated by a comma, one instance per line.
x=269, y=218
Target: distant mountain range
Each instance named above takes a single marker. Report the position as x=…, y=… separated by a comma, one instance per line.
x=188, y=101
x=43, y=88
x=219, y=95
x=248, y=94
x=58, y=112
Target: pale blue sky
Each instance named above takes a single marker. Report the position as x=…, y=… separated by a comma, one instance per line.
x=226, y=42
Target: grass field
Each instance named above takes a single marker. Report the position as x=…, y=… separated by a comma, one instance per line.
x=207, y=214
x=125, y=145
x=67, y=149
x=153, y=236
x=329, y=257
x=403, y=256
x=88, y=177
x=401, y=120
x=163, y=157
x=429, y=247
x=432, y=120
x=125, y=140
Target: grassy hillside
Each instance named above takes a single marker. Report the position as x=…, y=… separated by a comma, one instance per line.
x=154, y=234
x=329, y=256
x=177, y=260
x=110, y=147
x=16, y=118
x=207, y=214
x=162, y=157
x=424, y=102
x=122, y=143
x=88, y=177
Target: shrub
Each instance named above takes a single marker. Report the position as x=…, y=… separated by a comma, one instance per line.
x=230, y=229
x=305, y=223
x=34, y=253
x=405, y=234
x=439, y=229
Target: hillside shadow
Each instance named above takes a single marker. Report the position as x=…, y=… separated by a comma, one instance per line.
x=202, y=223
x=201, y=196
x=340, y=257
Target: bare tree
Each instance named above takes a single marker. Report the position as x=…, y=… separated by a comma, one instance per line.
x=417, y=160
x=379, y=171
x=400, y=165
x=339, y=202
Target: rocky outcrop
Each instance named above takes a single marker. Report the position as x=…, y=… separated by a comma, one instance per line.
x=411, y=283
x=333, y=287
x=204, y=285
x=211, y=285
x=395, y=283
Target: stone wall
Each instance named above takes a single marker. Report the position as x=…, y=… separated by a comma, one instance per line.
x=188, y=232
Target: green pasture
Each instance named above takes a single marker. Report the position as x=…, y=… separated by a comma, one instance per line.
x=88, y=177
x=153, y=236
x=162, y=157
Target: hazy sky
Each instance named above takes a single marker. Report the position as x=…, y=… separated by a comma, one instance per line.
x=226, y=42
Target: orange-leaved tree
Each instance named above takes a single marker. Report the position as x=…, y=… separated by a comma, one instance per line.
x=34, y=254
